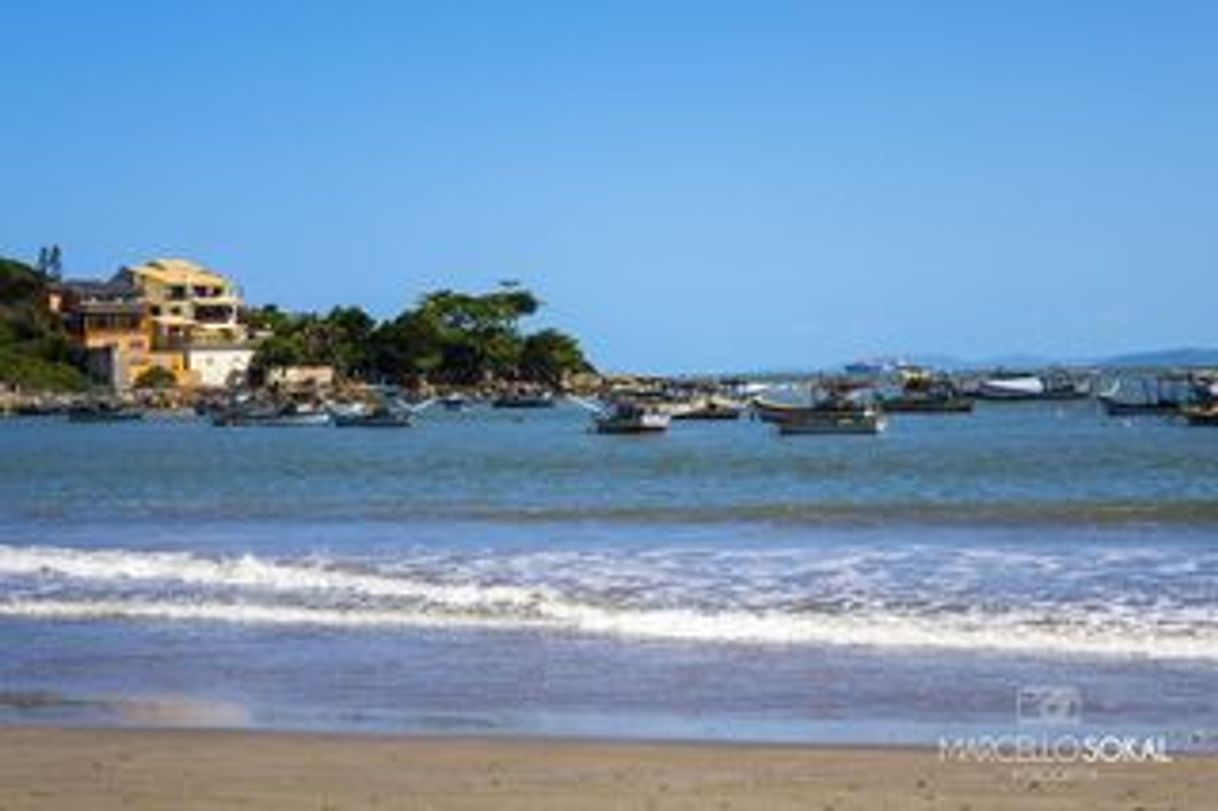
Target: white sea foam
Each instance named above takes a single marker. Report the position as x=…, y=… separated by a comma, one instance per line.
x=674, y=625
x=248, y=571
x=670, y=598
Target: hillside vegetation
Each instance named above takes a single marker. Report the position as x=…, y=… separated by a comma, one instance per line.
x=35, y=353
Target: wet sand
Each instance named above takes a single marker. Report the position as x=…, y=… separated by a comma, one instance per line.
x=43, y=768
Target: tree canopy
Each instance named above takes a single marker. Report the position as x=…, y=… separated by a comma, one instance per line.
x=449, y=337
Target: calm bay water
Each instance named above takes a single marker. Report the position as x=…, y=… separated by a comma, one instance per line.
x=510, y=572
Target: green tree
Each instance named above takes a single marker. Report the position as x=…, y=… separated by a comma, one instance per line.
x=408, y=347
x=351, y=340
x=549, y=355
x=35, y=352
x=448, y=337
x=478, y=335
x=156, y=377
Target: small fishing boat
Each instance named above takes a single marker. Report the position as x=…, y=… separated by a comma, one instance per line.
x=837, y=407
x=1161, y=395
x=287, y=416
x=380, y=416
x=631, y=418
x=922, y=393
x=711, y=408
x=455, y=402
x=774, y=411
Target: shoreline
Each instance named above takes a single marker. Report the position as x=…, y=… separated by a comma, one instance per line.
x=79, y=768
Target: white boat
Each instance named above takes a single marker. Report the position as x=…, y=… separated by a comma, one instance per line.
x=376, y=416
x=632, y=418
x=455, y=402
x=1024, y=387
x=289, y=416
x=707, y=408
x=774, y=411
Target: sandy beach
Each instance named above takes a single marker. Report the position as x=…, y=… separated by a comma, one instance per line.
x=44, y=768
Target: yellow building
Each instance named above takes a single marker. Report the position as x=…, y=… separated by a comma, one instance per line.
x=167, y=313
x=111, y=325
x=188, y=304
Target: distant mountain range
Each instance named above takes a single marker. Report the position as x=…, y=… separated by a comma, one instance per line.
x=1184, y=356
x=1172, y=357
x=1178, y=357
x=1189, y=356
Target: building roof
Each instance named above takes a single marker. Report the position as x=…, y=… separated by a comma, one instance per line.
x=117, y=289
x=177, y=271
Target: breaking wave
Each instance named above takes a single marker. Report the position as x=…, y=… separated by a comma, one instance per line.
x=929, y=597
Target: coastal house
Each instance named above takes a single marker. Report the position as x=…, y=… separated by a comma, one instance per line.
x=166, y=313
x=110, y=324
x=188, y=304
x=194, y=314
x=218, y=366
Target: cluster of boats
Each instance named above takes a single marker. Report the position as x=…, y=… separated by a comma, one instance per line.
x=836, y=405
x=379, y=413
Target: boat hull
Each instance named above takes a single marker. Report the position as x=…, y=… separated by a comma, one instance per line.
x=869, y=423
x=778, y=412
x=293, y=421
x=1023, y=388
x=651, y=422
x=629, y=428
x=1116, y=408
x=909, y=405
x=709, y=414
x=380, y=421
x=1201, y=417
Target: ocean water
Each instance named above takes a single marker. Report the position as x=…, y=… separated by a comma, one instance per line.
x=510, y=572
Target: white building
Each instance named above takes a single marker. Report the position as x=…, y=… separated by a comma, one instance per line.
x=218, y=367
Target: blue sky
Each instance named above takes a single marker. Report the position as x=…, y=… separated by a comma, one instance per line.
x=689, y=185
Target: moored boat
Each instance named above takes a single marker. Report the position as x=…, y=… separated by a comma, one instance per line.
x=923, y=393
x=454, y=402
x=711, y=408
x=289, y=416
x=837, y=407
x=372, y=418
x=773, y=411
x=631, y=418
x=1160, y=395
